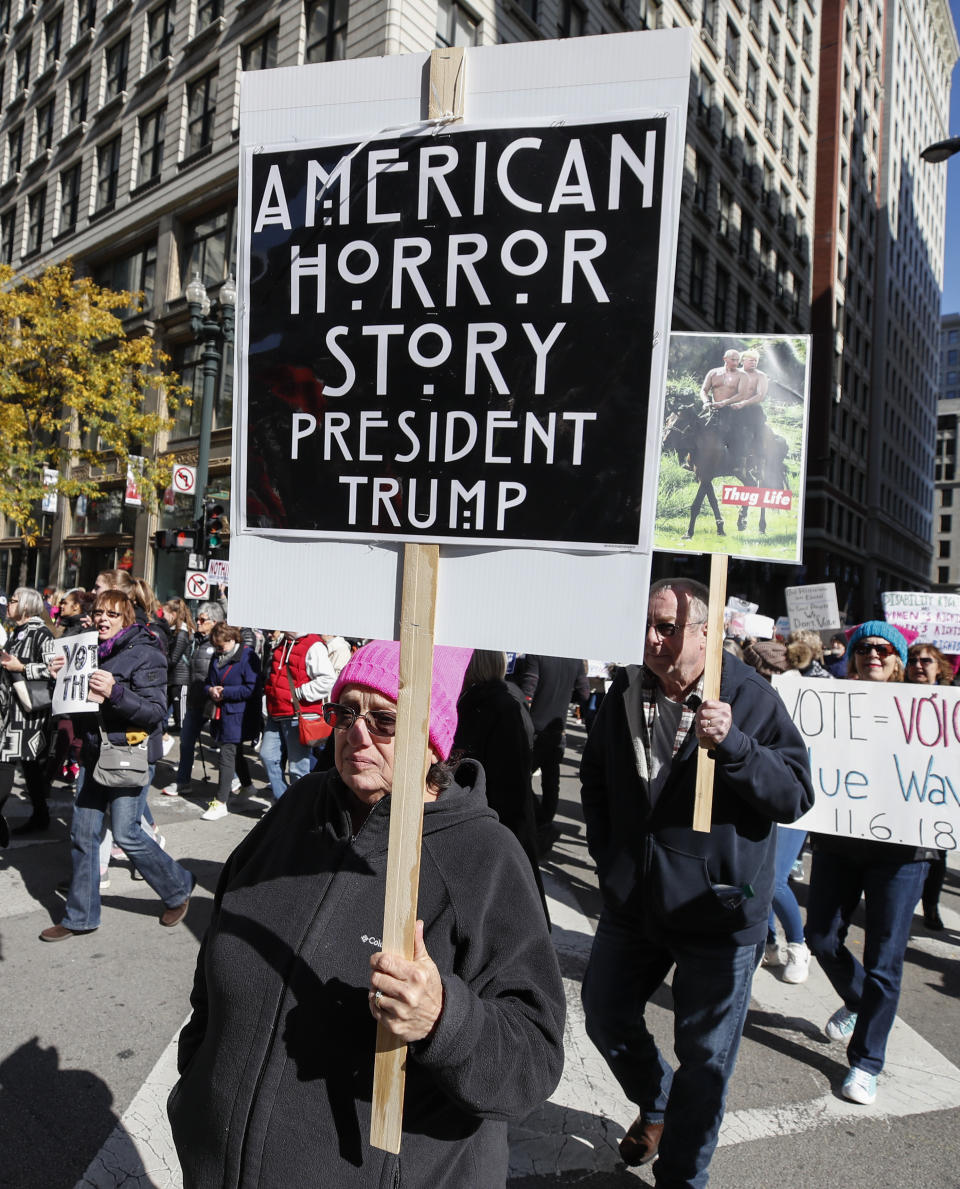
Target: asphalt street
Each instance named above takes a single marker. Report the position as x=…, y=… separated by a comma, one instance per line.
x=87, y=1037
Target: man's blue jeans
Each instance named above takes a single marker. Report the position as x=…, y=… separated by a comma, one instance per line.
x=872, y=989
x=711, y=994
x=277, y=734
x=172, y=883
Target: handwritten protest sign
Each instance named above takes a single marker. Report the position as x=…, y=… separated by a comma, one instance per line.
x=813, y=606
x=883, y=757
x=934, y=617
x=70, y=692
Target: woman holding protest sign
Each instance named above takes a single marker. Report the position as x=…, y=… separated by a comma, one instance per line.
x=890, y=877
x=293, y=942
x=25, y=695
x=121, y=745
x=926, y=665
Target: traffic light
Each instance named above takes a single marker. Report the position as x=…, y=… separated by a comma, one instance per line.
x=217, y=526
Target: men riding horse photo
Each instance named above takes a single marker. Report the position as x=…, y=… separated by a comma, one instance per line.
x=745, y=427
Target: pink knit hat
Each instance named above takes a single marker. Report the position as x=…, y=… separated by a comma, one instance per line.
x=377, y=666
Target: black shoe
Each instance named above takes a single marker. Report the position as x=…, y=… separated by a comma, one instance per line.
x=35, y=824
x=933, y=920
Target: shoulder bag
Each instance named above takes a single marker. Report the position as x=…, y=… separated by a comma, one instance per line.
x=121, y=765
x=34, y=693
x=312, y=727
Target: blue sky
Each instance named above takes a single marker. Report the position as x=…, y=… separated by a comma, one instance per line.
x=951, y=257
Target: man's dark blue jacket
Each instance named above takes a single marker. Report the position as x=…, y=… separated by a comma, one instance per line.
x=710, y=888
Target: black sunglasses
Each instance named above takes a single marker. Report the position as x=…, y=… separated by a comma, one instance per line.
x=881, y=648
x=379, y=722
x=666, y=630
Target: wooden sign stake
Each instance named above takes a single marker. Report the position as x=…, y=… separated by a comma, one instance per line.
x=417, y=611
x=703, y=804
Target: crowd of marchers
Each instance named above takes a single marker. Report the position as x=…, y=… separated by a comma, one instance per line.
x=276, y=1062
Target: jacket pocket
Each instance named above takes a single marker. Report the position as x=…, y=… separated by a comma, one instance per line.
x=688, y=899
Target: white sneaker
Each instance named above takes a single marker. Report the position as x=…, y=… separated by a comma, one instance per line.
x=215, y=810
x=797, y=966
x=174, y=790
x=841, y=1024
x=772, y=954
x=235, y=785
x=860, y=1086
x=104, y=879
x=167, y=742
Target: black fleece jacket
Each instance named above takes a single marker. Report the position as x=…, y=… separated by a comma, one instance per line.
x=277, y=1060
x=709, y=888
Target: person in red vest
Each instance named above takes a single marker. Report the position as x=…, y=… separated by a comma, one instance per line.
x=300, y=680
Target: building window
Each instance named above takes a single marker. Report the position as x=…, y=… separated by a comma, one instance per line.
x=86, y=15
x=733, y=48
x=202, y=111
x=701, y=186
x=4, y=16
x=729, y=131
x=803, y=164
x=45, y=127
x=160, y=32
x=786, y=141
x=946, y=497
x=790, y=73
x=720, y=298
x=116, y=67
x=743, y=309
x=36, y=209
x=456, y=25
x=51, y=40
x=529, y=8
x=261, y=54
x=770, y=115
x=698, y=270
x=23, y=66
x=574, y=19
x=725, y=203
x=943, y=575
x=943, y=549
x=946, y=524
x=79, y=95
x=208, y=11
x=136, y=273
x=773, y=43
x=152, y=128
x=746, y=238
x=326, y=30
x=208, y=247
x=14, y=150
x=753, y=80
x=8, y=223
x=69, y=198
x=108, y=172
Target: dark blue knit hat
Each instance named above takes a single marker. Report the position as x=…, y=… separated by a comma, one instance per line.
x=882, y=630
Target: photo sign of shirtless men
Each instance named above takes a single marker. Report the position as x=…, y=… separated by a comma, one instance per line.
x=733, y=442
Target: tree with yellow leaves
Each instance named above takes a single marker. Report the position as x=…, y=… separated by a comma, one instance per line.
x=77, y=394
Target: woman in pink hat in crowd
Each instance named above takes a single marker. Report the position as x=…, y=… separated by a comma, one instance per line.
x=276, y=1062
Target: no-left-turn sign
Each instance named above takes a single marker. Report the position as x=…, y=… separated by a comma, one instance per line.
x=184, y=479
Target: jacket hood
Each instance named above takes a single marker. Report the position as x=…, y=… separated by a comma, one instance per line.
x=465, y=800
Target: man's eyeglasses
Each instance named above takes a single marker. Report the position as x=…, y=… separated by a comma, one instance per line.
x=921, y=660
x=108, y=614
x=666, y=630
x=881, y=648
x=203, y=619
x=381, y=723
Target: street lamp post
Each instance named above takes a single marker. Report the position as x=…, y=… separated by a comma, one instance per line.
x=211, y=323
x=941, y=150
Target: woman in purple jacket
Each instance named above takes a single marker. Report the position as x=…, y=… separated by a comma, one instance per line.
x=234, y=689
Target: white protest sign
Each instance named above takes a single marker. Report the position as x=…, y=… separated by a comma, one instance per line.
x=758, y=626
x=70, y=690
x=813, y=606
x=446, y=383
x=218, y=571
x=883, y=757
x=934, y=617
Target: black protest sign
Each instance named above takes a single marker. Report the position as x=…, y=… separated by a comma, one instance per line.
x=449, y=336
